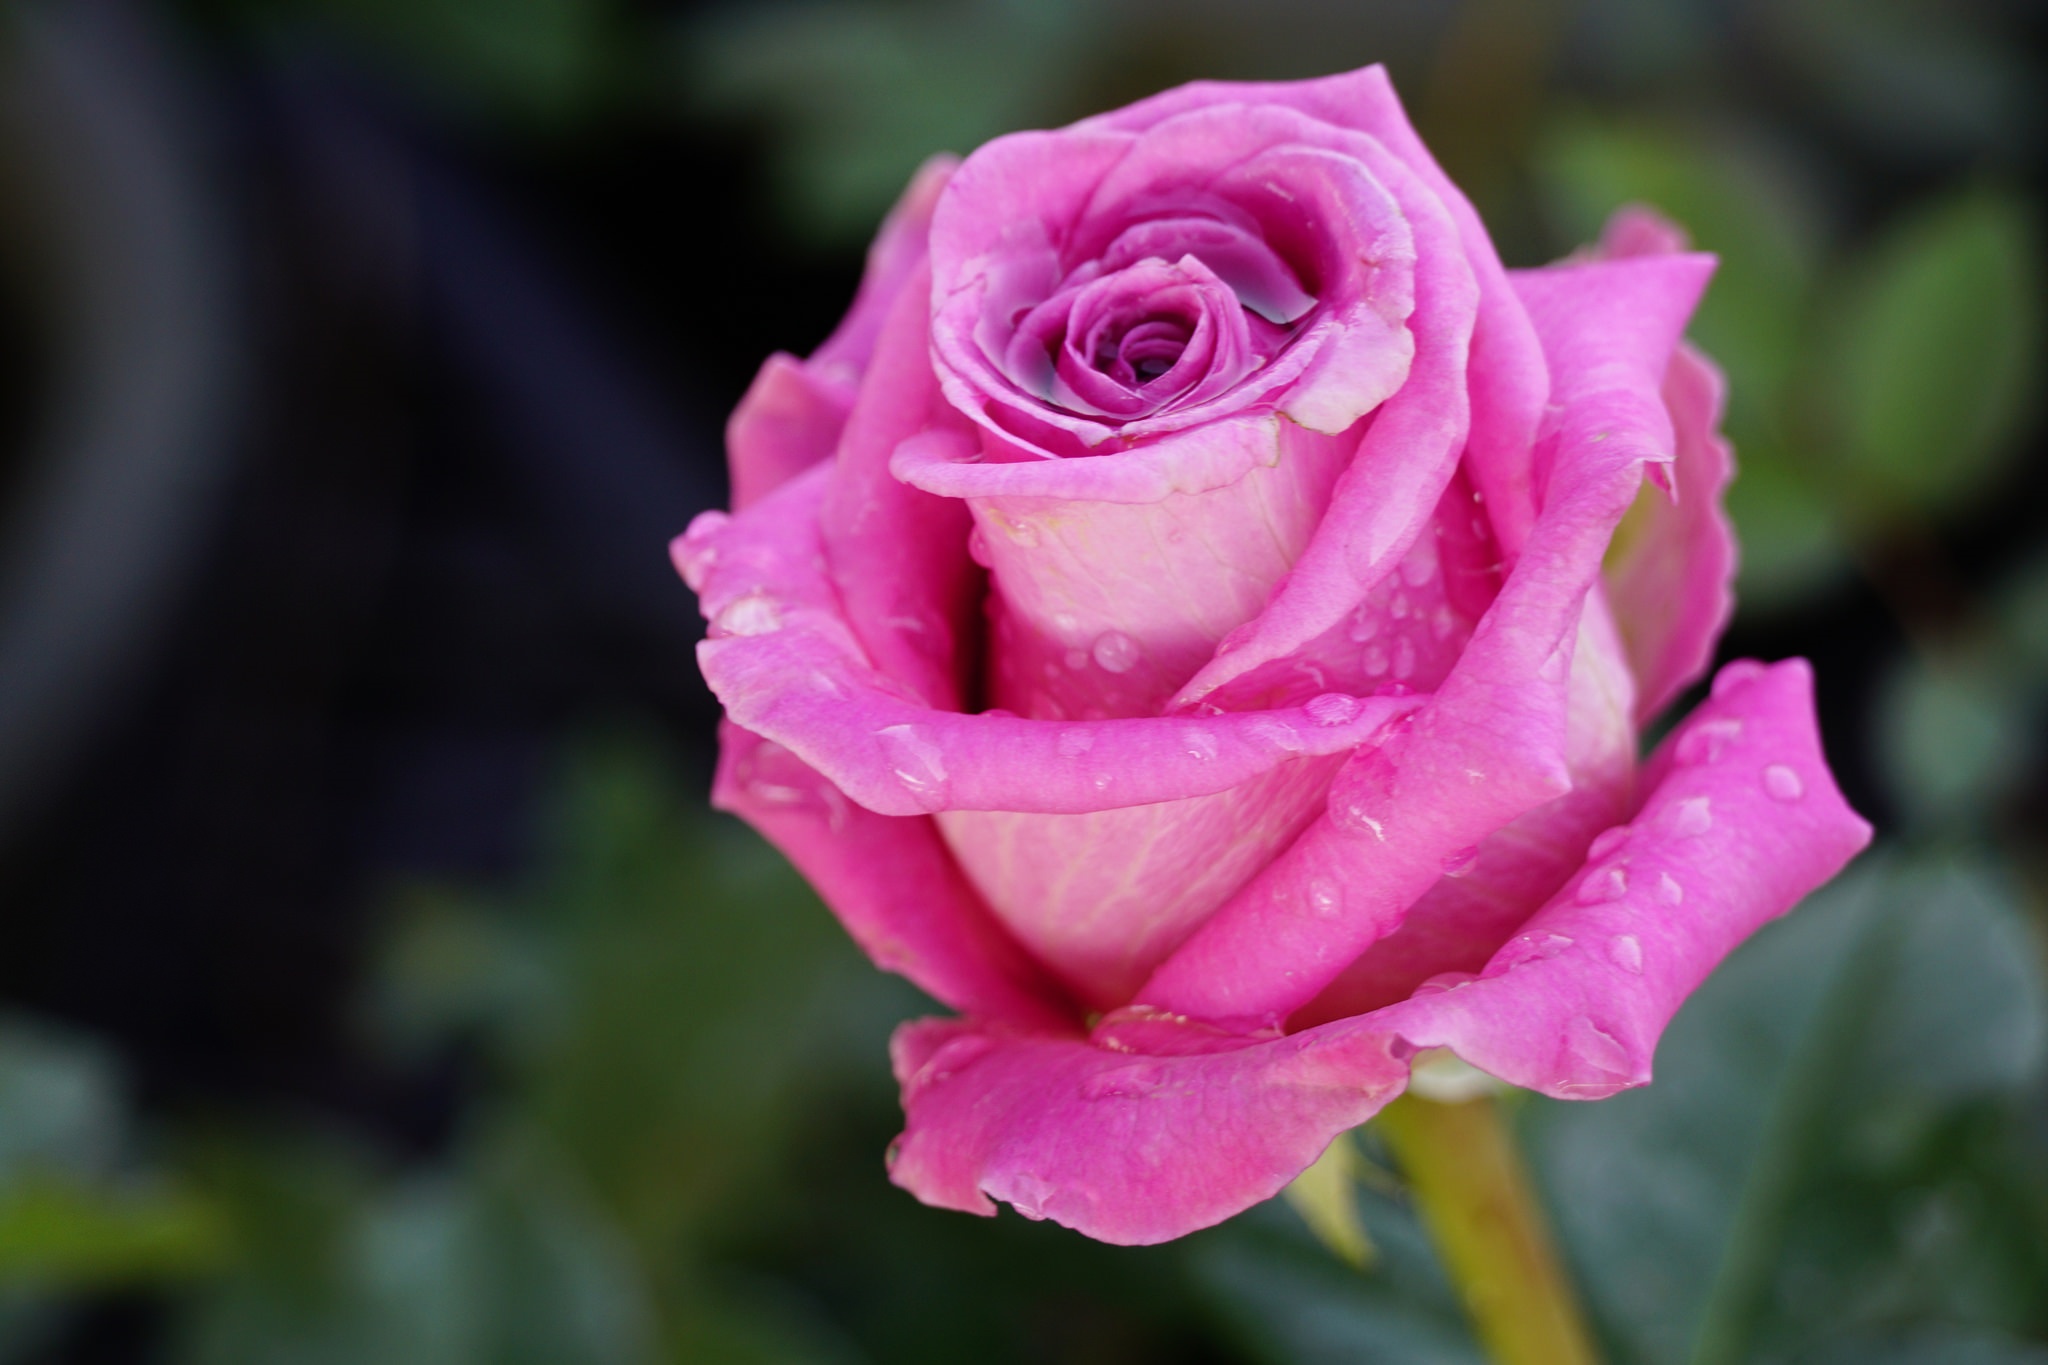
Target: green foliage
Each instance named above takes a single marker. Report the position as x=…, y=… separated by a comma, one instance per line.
x=1930, y=354
x=1835, y=1142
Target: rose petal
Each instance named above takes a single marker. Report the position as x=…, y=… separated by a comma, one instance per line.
x=788, y=420
x=1489, y=746
x=1508, y=387
x=898, y=556
x=1742, y=820
x=1140, y=1148
x=787, y=665
x=899, y=250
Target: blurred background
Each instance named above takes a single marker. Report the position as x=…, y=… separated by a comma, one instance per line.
x=376, y=987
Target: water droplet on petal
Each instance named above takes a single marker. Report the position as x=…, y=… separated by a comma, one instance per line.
x=1020, y=532
x=1029, y=1194
x=1523, y=949
x=1443, y=623
x=1669, y=892
x=1782, y=783
x=1626, y=952
x=1199, y=745
x=1374, y=660
x=1705, y=741
x=1420, y=565
x=1690, y=818
x=1404, y=658
x=1133, y=1082
x=1399, y=607
x=1075, y=741
x=1115, y=652
x=697, y=551
x=1445, y=981
x=1332, y=708
x=753, y=614
x=1596, y=1047
x=1459, y=861
x=917, y=762
x=1101, y=781
x=1606, y=842
x=1275, y=732
x=1324, y=898
x=1607, y=884
x=1362, y=798
x=1365, y=623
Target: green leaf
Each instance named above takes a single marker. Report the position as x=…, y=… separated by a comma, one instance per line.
x=1954, y=737
x=1774, y=1186
x=61, y=1100
x=1297, y=1305
x=62, y=1233
x=1930, y=355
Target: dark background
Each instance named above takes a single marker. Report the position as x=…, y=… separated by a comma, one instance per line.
x=376, y=988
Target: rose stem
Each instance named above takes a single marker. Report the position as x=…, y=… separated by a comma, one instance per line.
x=1475, y=1198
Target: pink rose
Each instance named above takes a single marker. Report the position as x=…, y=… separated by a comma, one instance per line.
x=1168, y=623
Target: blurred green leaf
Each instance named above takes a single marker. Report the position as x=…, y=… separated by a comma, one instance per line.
x=861, y=93
x=1295, y=1304
x=1804, y=1164
x=1954, y=736
x=61, y=1100
x=1930, y=355
x=61, y=1232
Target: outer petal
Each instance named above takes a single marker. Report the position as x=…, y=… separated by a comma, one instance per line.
x=890, y=882
x=1143, y=1148
x=787, y=665
x=1742, y=820
x=898, y=555
x=1489, y=746
x=788, y=421
x=1672, y=575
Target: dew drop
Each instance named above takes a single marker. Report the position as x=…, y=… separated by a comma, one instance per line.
x=1133, y=1082
x=697, y=550
x=1690, y=818
x=1101, y=781
x=1375, y=660
x=753, y=614
x=1607, y=884
x=1420, y=566
x=1324, y=898
x=917, y=762
x=1445, y=981
x=1669, y=892
x=1459, y=861
x=1596, y=1047
x=1020, y=532
x=1115, y=652
x=1606, y=842
x=1075, y=741
x=1404, y=658
x=1199, y=745
x=1365, y=623
x=1626, y=952
x=1362, y=801
x=1526, y=948
x=1276, y=732
x=1332, y=708
x=1443, y=623
x=1705, y=741
x=1782, y=783
x=1399, y=607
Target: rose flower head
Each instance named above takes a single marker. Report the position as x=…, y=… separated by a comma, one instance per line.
x=1179, y=621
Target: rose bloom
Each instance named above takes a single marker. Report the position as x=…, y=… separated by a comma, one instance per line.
x=1195, y=619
